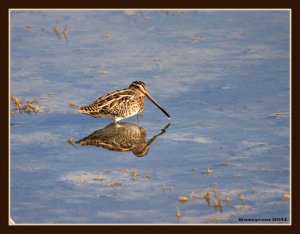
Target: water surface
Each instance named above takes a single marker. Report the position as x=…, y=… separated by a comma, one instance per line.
x=222, y=75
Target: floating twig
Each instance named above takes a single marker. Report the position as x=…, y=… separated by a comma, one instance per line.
x=178, y=215
x=65, y=33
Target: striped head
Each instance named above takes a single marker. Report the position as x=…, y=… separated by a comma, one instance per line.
x=141, y=88
x=142, y=150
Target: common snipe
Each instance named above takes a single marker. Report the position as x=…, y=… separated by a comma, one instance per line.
x=120, y=104
x=122, y=137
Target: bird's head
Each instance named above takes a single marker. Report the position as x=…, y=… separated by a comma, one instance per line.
x=141, y=88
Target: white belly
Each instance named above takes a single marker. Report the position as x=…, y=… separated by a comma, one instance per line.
x=119, y=118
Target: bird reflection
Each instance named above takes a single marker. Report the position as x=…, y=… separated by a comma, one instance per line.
x=122, y=137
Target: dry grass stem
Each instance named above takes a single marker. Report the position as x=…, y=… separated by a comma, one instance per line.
x=103, y=72
x=242, y=207
x=114, y=184
x=65, y=33
x=164, y=188
x=178, y=215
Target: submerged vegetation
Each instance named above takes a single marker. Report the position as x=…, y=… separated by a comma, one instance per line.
x=29, y=107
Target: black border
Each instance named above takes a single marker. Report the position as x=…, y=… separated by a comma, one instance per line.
x=6, y=5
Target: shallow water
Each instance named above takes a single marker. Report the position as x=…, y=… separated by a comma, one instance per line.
x=222, y=75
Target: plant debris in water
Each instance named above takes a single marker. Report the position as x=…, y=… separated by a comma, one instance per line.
x=134, y=174
x=280, y=114
x=70, y=140
x=28, y=26
x=286, y=196
x=208, y=171
x=242, y=207
x=178, y=215
x=103, y=72
x=114, y=184
x=241, y=197
x=29, y=107
x=65, y=33
x=71, y=104
x=184, y=199
x=107, y=36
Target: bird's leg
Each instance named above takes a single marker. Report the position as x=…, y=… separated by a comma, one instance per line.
x=115, y=121
x=139, y=115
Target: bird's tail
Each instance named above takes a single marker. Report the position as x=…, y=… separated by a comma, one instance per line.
x=81, y=110
x=87, y=109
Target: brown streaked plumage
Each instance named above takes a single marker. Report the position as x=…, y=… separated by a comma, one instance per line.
x=121, y=104
x=121, y=137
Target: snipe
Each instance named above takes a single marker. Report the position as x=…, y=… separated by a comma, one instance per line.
x=121, y=104
x=122, y=137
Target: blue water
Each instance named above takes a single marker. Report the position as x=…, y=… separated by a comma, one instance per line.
x=222, y=76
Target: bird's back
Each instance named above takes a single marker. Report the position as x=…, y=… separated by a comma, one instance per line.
x=119, y=103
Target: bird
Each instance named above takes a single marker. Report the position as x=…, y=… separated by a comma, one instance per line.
x=121, y=137
x=121, y=104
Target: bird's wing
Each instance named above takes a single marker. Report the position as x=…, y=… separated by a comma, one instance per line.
x=110, y=100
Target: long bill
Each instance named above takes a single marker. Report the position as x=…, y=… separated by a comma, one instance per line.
x=156, y=104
